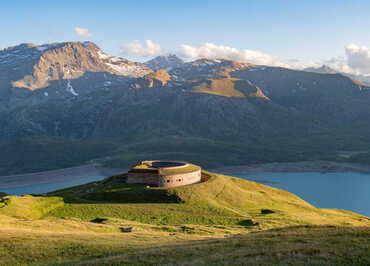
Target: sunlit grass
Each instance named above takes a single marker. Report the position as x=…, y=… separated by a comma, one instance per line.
x=219, y=221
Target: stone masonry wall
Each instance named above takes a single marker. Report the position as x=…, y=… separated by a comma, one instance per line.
x=180, y=179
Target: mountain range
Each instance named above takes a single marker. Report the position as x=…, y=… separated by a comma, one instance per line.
x=70, y=103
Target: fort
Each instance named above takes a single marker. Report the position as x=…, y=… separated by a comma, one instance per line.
x=164, y=173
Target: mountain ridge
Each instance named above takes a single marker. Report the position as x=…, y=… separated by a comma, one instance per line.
x=73, y=94
x=70, y=60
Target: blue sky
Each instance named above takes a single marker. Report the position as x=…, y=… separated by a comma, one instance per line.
x=305, y=30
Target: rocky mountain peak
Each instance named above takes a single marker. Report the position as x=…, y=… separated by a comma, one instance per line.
x=324, y=69
x=166, y=62
x=35, y=66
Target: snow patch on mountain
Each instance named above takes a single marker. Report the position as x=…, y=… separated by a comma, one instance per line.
x=71, y=89
x=103, y=55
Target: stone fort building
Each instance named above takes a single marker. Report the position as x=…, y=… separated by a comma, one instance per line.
x=164, y=173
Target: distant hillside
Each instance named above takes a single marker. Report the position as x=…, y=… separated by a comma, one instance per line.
x=214, y=112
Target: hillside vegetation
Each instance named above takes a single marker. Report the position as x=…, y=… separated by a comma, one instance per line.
x=110, y=222
x=34, y=154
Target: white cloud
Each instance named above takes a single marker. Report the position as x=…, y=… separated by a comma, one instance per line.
x=136, y=49
x=83, y=32
x=355, y=60
x=358, y=58
x=339, y=63
x=210, y=50
x=299, y=64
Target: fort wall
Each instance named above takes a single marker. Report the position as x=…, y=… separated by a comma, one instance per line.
x=180, y=179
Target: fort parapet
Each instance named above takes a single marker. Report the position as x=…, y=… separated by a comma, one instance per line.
x=164, y=173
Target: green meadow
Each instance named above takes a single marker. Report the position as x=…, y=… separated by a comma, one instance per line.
x=222, y=221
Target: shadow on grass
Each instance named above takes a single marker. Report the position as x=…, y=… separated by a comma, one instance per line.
x=99, y=220
x=133, y=196
x=115, y=190
x=248, y=222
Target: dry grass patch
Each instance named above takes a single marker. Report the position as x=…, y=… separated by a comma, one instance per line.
x=223, y=87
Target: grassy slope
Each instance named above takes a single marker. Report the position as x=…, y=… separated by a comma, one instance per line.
x=190, y=225
x=28, y=206
x=71, y=242
x=222, y=200
x=229, y=87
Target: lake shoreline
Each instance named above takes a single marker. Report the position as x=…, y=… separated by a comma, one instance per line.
x=291, y=167
x=64, y=174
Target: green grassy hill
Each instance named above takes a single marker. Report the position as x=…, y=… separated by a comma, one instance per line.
x=251, y=222
x=222, y=200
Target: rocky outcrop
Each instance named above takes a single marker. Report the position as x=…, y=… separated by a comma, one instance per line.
x=157, y=78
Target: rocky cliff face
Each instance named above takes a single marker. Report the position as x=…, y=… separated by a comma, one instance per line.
x=157, y=78
x=65, y=61
x=39, y=73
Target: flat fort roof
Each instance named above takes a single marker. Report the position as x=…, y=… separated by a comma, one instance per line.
x=165, y=167
x=166, y=164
